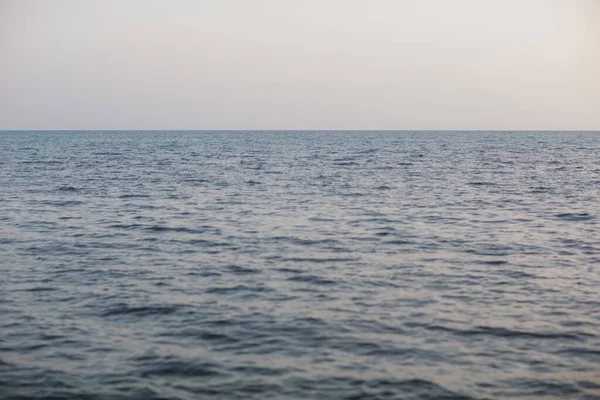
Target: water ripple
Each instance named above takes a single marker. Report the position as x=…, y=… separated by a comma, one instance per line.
x=300, y=265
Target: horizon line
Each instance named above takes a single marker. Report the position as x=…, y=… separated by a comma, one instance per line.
x=299, y=130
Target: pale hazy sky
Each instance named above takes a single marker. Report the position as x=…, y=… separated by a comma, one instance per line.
x=300, y=64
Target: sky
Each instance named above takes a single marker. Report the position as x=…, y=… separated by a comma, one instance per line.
x=300, y=64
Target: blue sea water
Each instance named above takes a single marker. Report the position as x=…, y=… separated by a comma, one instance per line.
x=299, y=265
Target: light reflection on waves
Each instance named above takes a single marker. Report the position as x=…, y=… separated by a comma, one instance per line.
x=298, y=265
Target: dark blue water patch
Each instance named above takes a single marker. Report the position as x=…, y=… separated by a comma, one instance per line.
x=157, y=228
x=60, y=203
x=589, y=385
x=311, y=279
x=290, y=270
x=542, y=189
x=574, y=216
x=67, y=189
x=108, y=153
x=384, y=187
x=238, y=289
x=326, y=243
x=346, y=163
x=141, y=311
x=494, y=262
x=40, y=289
x=319, y=260
x=482, y=183
x=515, y=274
x=238, y=270
x=213, y=337
x=249, y=371
x=176, y=367
x=541, y=388
x=335, y=387
x=512, y=333
x=491, y=251
x=589, y=355
x=196, y=180
x=44, y=162
x=134, y=196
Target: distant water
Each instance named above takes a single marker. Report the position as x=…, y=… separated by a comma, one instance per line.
x=299, y=265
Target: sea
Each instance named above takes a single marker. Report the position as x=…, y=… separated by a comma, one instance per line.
x=299, y=265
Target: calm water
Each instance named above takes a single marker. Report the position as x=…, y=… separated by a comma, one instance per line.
x=300, y=265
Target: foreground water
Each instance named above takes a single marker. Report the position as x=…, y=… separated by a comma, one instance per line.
x=322, y=265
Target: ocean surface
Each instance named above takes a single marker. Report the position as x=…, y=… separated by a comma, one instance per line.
x=299, y=265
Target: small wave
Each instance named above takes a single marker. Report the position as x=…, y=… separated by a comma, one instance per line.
x=259, y=371
x=65, y=203
x=321, y=219
x=308, y=242
x=540, y=189
x=581, y=351
x=196, y=180
x=108, y=153
x=511, y=333
x=574, y=216
x=343, y=159
x=67, y=189
x=133, y=196
x=355, y=194
x=399, y=242
x=211, y=336
x=540, y=388
x=481, y=183
x=40, y=289
x=316, y=280
x=515, y=274
x=321, y=260
x=383, y=233
x=156, y=228
x=49, y=162
x=141, y=310
x=368, y=151
x=289, y=270
x=207, y=243
x=178, y=367
x=237, y=289
x=493, y=262
x=204, y=274
x=237, y=270
x=356, y=388
x=491, y=251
